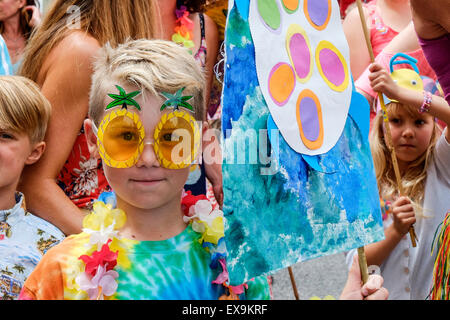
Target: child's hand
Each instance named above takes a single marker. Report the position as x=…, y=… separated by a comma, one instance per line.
x=381, y=81
x=403, y=215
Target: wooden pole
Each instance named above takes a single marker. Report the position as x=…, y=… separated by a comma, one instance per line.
x=385, y=118
x=363, y=264
x=294, y=286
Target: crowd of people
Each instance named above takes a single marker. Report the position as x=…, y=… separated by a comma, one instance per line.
x=92, y=93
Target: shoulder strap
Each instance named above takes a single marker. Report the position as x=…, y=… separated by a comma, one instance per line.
x=202, y=24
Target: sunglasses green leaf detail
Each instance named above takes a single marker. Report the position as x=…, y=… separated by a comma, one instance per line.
x=123, y=99
x=177, y=100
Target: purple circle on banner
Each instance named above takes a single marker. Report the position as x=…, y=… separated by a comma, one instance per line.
x=300, y=54
x=332, y=66
x=309, y=118
x=318, y=11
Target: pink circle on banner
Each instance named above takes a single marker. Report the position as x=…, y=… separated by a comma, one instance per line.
x=332, y=66
x=300, y=55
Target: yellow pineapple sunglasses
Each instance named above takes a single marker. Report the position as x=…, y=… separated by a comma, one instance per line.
x=121, y=134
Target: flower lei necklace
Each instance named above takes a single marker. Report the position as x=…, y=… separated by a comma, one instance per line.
x=99, y=279
x=183, y=28
x=208, y=220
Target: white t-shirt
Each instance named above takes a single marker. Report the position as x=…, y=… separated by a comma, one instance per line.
x=408, y=271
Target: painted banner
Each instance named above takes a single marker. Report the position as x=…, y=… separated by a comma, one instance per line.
x=298, y=175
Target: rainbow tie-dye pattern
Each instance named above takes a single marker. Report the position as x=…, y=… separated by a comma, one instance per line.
x=179, y=268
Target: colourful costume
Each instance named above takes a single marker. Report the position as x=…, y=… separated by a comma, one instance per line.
x=187, y=266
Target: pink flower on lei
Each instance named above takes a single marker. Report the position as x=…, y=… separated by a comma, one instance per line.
x=183, y=17
x=102, y=284
x=223, y=279
x=99, y=278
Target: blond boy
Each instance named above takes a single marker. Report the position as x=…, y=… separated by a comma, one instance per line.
x=24, y=238
x=146, y=101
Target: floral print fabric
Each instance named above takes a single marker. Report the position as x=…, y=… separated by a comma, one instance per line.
x=24, y=239
x=82, y=178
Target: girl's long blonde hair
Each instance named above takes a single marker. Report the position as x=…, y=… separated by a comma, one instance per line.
x=413, y=180
x=112, y=21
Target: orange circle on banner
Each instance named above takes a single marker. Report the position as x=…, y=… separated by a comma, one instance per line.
x=311, y=97
x=291, y=5
x=281, y=83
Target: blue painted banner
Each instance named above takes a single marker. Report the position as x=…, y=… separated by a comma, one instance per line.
x=283, y=206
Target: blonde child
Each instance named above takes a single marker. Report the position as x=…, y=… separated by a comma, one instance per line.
x=24, y=238
x=423, y=155
x=154, y=245
x=405, y=42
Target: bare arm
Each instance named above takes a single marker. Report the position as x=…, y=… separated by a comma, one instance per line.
x=431, y=18
x=213, y=169
x=359, y=55
x=66, y=86
x=212, y=45
x=379, y=251
x=403, y=217
x=382, y=82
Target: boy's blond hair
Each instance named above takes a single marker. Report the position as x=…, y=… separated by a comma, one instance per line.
x=152, y=65
x=23, y=108
x=413, y=180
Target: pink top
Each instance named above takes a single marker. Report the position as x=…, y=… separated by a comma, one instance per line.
x=380, y=33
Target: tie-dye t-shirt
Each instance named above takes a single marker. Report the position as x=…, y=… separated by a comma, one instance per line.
x=173, y=269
